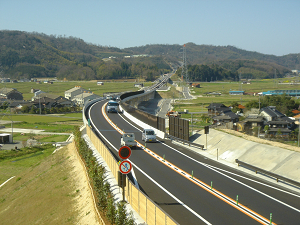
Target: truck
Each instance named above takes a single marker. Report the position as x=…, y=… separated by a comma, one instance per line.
x=148, y=135
x=128, y=139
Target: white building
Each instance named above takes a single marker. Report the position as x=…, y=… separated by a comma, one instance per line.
x=70, y=94
x=84, y=97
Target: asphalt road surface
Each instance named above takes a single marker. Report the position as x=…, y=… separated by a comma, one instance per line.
x=193, y=189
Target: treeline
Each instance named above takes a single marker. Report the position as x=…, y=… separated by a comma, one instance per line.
x=284, y=104
x=209, y=73
x=149, y=69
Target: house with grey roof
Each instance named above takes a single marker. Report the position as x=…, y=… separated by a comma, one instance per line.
x=11, y=93
x=221, y=114
x=277, y=121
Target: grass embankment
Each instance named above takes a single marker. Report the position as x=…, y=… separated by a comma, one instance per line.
x=42, y=191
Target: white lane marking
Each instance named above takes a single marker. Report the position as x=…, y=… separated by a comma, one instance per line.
x=225, y=198
x=6, y=181
x=171, y=195
x=210, y=167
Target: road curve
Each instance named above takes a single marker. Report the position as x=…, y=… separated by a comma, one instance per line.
x=216, y=194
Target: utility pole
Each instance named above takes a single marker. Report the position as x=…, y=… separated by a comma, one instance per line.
x=184, y=72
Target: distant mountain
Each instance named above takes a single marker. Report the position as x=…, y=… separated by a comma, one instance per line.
x=28, y=55
x=229, y=57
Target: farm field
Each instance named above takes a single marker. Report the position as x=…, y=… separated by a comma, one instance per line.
x=203, y=99
x=59, y=88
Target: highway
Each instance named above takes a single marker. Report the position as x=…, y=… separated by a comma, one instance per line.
x=193, y=189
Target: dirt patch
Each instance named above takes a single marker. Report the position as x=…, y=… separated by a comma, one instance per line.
x=262, y=141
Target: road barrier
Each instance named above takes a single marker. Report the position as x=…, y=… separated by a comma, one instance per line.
x=256, y=169
x=144, y=206
x=185, y=142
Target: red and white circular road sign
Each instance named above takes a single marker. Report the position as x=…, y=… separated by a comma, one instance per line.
x=125, y=167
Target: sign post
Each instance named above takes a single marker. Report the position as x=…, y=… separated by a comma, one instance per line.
x=124, y=167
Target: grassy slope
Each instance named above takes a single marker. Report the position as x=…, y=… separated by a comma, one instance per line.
x=42, y=181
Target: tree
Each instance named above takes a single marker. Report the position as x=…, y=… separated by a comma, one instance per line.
x=266, y=129
x=25, y=109
x=32, y=110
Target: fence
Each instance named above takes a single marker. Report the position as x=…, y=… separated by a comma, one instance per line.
x=179, y=128
x=144, y=206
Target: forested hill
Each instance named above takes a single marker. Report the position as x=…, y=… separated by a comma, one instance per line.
x=208, y=54
x=248, y=63
x=28, y=55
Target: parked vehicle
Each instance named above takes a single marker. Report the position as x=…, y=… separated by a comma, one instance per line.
x=112, y=106
x=148, y=135
x=128, y=139
x=173, y=113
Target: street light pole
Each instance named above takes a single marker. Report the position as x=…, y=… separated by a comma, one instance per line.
x=298, y=131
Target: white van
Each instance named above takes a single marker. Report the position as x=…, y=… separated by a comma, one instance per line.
x=148, y=135
x=112, y=106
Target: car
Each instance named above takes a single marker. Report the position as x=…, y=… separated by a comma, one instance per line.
x=112, y=106
x=128, y=139
x=148, y=135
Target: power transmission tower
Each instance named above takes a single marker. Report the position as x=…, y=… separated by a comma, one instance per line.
x=184, y=72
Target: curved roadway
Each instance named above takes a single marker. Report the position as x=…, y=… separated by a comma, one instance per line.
x=193, y=189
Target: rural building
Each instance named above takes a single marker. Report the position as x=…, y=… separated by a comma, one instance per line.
x=70, y=94
x=281, y=92
x=82, y=98
x=221, y=113
x=251, y=121
x=276, y=121
x=236, y=92
x=5, y=138
x=11, y=93
x=47, y=95
x=139, y=85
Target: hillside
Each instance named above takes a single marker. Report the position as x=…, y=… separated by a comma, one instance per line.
x=29, y=55
x=249, y=64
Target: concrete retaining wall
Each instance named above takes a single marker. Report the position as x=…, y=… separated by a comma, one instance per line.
x=274, y=159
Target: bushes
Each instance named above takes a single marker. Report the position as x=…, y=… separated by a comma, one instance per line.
x=104, y=197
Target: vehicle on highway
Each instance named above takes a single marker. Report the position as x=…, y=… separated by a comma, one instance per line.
x=148, y=135
x=128, y=139
x=112, y=106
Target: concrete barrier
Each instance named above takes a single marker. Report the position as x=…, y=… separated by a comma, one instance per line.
x=274, y=159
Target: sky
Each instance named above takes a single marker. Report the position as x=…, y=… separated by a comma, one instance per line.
x=264, y=26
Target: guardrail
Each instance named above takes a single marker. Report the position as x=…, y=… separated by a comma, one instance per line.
x=278, y=177
x=184, y=141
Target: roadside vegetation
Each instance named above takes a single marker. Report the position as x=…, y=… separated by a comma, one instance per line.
x=115, y=213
